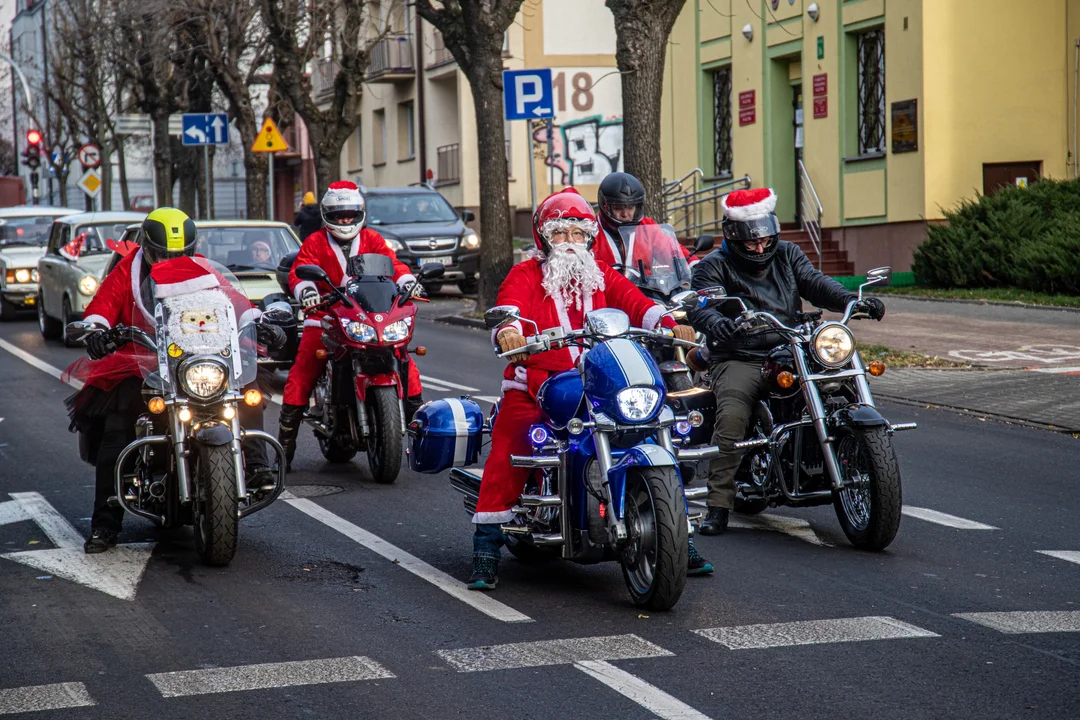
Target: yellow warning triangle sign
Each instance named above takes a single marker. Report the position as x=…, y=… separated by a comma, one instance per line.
x=269, y=139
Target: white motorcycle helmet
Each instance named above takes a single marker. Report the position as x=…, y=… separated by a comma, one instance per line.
x=343, y=210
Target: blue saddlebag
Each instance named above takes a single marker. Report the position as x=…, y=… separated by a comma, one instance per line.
x=445, y=434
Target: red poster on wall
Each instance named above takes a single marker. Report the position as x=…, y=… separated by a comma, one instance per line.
x=747, y=116
x=746, y=99
x=821, y=84
x=821, y=107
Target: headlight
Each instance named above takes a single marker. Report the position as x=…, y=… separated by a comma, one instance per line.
x=471, y=241
x=637, y=403
x=88, y=285
x=394, y=245
x=833, y=345
x=395, y=332
x=204, y=380
x=22, y=275
x=358, y=331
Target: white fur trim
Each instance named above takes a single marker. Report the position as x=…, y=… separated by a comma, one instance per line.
x=614, y=247
x=301, y=287
x=203, y=282
x=488, y=518
x=514, y=385
x=97, y=319
x=312, y=322
x=405, y=280
x=136, y=282
x=249, y=316
x=744, y=213
x=341, y=257
x=651, y=318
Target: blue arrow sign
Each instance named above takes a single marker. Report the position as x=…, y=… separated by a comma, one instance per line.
x=527, y=94
x=208, y=129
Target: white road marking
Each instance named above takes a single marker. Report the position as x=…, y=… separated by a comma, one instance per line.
x=1072, y=556
x=1063, y=370
x=267, y=675
x=115, y=573
x=795, y=527
x=940, y=518
x=12, y=511
x=39, y=364
x=1016, y=623
x=35, y=698
x=450, y=585
x=648, y=696
x=551, y=652
x=812, y=632
x=447, y=383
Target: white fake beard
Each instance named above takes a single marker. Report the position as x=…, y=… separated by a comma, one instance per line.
x=571, y=272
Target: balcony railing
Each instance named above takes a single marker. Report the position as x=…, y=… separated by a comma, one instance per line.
x=391, y=60
x=448, y=165
x=322, y=79
x=439, y=54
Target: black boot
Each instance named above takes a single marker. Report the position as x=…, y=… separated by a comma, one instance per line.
x=100, y=541
x=715, y=522
x=412, y=404
x=288, y=426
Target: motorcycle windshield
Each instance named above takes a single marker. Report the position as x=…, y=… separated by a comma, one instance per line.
x=372, y=294
x=656, y=260
x=205, y=331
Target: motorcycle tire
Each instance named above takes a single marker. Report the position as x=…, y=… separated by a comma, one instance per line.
x=870, y=515
x=335, y=451
x=384, y=447
x=656, y=575
x=676, y=382
x=215, y=507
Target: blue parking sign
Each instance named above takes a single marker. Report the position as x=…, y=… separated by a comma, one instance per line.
x=527, y=94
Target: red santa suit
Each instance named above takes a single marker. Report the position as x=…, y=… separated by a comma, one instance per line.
x=319, y=249
x=642, y=245
x=502, y=483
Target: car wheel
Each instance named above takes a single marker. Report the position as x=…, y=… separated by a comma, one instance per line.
x=50, y=328
x=432, y=288
x=65, y=318
x=468, y=287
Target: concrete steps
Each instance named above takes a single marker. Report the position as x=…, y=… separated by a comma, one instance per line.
x=834, y=261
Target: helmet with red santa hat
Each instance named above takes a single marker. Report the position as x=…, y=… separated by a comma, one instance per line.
x=750, y=227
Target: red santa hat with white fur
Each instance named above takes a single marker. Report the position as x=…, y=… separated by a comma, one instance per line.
x=182, y=275
x=746, y=205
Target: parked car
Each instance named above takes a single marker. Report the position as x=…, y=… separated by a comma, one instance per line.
x=70, y=271
x=24, y=231
x=422, y=227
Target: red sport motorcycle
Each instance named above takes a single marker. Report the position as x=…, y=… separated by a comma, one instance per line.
x=359, y=399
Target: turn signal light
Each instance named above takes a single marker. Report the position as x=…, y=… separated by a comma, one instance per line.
x=876, y=368
x=420, y=350
x=785, y=379
x=252, y=398
x=156, y=405
x=184, y=415
x=320, y=353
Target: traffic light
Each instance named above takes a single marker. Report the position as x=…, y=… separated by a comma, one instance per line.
x=32, y=154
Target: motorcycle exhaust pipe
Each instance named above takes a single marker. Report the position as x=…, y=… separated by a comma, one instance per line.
x=900, y=427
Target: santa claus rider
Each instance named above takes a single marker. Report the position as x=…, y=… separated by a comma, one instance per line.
x=343, y=236
x=556, y=287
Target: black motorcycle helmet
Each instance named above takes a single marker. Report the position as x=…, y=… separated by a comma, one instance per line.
x=749, y=217
x=167, y=233
x=620, y=188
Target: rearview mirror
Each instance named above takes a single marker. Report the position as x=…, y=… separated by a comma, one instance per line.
x=879, y=277
x=704, y=243
x=686, y=300
x=501, y=315
x=468, y=215
x=431, y=271
x=312, y=273
x=716, y=292
x=278, y=312
x=78, y=330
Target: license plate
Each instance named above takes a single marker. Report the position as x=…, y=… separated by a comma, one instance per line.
x=441, y=260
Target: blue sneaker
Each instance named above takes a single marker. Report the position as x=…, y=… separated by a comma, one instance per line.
x=696, y=564
x=485, y=574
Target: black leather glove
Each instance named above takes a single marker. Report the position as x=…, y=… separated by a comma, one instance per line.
x=721, y=330
x=270, y=335
x=873, y=307
x=99, y=344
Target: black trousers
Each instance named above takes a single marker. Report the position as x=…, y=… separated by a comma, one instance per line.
x=737, y=386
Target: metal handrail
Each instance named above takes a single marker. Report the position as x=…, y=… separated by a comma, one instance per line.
x=811, y=210
x=675, y=185
x=683, y=210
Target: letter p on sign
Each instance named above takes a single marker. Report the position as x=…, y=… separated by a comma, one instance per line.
x=528, y=90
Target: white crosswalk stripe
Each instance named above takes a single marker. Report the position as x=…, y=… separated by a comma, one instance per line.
x=551, y=652
x=940, y=518
x=1072, y=556
x=648, y=696
x=812, y=632
x=36, y=698
x=267, y=675
x=1018, y=623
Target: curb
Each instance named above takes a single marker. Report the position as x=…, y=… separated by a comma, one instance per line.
x=965, y=301
x=461, y=321
x=968, y=412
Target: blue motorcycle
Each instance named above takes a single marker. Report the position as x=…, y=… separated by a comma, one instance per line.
x=605, y=483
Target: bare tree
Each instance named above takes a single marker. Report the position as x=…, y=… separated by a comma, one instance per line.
x=296, y=32
x=473, y=31
x=642, y=29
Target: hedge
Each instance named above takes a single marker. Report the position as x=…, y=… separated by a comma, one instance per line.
x=1026, y=238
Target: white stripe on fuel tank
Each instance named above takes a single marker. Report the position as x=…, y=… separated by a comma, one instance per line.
x=461, y=431
x=631, y=362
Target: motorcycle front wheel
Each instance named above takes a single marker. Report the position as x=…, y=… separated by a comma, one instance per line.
x=215, y=506
x=655, y=556
x=868, y=507
x=384, y=446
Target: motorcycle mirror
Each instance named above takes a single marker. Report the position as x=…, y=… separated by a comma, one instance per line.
x=716, y=292
x=468, y=215
x=312, y=273
x=500, y=315
x=431, y=271
x=879, y=277
x=704, y=243
x=278, y=312
x=78, y=330
x=686, y=300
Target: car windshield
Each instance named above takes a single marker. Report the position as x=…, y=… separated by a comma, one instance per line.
x=98, y=235
x=246, y=249
x=397, y=209
x=25, y=230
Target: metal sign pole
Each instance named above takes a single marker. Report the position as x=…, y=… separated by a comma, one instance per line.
x=207, y=191
x=532, y=165
x=551, y=151
x=271, y=202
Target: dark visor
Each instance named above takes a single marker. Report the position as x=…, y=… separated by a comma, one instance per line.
x=752, y=230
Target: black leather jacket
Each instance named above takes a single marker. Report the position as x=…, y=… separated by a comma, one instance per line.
x=777, y=290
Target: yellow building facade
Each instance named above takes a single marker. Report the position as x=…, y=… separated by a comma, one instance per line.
x=896, y=109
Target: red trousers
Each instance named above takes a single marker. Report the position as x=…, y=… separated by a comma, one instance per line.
x=502, y=483
x=306, y=370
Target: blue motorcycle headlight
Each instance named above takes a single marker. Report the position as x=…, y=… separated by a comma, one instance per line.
x=358, y=331
x=539, y=435
x=636, y=404
x=683, y=427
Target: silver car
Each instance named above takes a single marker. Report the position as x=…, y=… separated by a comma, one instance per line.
x=69, y=276
x=24, y=230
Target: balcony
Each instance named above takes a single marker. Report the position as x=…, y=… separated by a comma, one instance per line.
x=440, y=56
x=322, y=79
x=391, y=60
x=448, y=164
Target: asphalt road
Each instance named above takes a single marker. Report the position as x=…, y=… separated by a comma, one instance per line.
x=348, y=605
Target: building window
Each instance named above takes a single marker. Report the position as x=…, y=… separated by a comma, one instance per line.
x=405, y=134
x=359, y=147
x=871, y=66
x=722, y=148
x=378, y=137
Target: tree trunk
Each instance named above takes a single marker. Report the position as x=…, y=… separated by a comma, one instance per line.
x=496, y=252
x=640, y=54
x=163, y=160
x=327, y=167
x=255, y=169
x=106, y=179
x=125, y=194
x=210, y=207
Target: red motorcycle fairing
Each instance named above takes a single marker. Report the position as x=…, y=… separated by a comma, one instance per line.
x=363, y=382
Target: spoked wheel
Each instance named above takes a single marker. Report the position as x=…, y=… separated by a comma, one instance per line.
x=384, y=448
x=654, y=559
x=215, y=506
x=869, y=505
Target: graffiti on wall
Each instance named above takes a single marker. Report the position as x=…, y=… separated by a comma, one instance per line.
x=584, y=150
